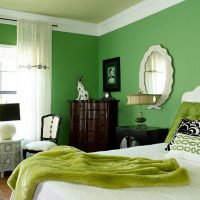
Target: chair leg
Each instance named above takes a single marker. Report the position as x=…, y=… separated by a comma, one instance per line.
x=24, y=153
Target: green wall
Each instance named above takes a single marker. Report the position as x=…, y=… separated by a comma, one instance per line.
x=177, y=29
x=72, y=55
x=8, y=34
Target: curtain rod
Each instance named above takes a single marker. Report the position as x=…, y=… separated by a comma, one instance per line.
x=14, y=20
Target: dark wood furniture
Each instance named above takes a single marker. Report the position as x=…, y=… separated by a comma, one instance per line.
x=150, y=135
x=92, y=124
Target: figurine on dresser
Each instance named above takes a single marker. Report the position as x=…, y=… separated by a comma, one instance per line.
x=82, y=92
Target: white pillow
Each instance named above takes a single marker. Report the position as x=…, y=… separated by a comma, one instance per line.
x=40, y=145
x=186, y=147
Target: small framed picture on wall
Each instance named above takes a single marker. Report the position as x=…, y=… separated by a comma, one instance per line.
x=111, y=75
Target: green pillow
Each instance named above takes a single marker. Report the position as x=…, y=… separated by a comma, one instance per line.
x=187, y=110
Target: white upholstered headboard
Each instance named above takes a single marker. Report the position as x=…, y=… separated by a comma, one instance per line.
x=192, y=96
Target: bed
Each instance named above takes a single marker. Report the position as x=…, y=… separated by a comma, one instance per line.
x=52, y=190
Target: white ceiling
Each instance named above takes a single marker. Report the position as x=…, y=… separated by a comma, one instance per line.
x=93, y=11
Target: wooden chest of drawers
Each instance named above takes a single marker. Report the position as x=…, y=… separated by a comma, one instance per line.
x=92, y=124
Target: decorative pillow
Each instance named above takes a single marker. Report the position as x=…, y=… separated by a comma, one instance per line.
x=186, y=147
x=187, y=126
x=189, y=110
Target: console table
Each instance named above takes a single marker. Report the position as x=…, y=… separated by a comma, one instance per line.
x=150, y=135
x=10, y=155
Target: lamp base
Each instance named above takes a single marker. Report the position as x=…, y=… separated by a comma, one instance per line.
x=141, y=126
x=140, y=121
x=7, y=131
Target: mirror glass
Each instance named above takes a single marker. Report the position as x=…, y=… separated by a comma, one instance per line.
x=156, y=74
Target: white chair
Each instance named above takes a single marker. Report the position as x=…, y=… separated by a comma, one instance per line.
x=50, y=126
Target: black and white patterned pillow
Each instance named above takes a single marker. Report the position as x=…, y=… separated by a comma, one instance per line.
x=188, y=127
x=185, y=147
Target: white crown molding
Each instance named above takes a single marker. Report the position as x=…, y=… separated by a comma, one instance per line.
x=133, y=14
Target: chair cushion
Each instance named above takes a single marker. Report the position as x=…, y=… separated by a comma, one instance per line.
x=40, y=145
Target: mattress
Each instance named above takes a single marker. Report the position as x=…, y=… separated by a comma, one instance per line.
x=51, y=190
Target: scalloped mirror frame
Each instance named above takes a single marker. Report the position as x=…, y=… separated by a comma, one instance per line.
x=169, y=74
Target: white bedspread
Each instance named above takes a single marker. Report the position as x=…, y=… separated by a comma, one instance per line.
x=54, y=190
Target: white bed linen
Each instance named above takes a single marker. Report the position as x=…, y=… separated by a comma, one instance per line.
x=55, y=190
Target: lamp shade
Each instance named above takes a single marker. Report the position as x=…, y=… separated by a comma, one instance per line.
x=9, y=112
x=143, y=99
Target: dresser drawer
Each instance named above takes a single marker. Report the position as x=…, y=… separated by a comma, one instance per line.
x=96, y=125
x=79, y=114
x=97, y=141
x=78, y=125
x=97, y=106
x=79, y=106
x=97, y=114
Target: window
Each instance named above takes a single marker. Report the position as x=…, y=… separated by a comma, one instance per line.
x=8, y=74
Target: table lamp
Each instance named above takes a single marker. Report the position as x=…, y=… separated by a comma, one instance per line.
x=142, y=99
x=8, y=112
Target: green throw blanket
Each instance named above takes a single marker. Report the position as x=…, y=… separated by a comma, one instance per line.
x=69, y=164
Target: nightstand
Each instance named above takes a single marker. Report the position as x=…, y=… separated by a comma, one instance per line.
x=150, y=135
x=10, y=155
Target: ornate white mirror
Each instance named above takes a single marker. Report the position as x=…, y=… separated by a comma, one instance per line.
x=156, y=74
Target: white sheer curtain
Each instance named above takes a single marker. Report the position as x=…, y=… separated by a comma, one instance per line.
x=34, y=46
